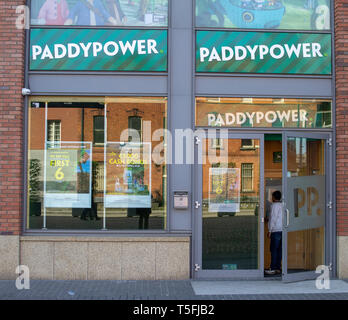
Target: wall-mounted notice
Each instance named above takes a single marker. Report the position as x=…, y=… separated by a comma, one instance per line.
x=224, y=190
x=68, y=175
x=128, y=175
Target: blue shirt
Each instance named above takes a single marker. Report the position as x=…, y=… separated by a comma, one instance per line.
x=82, y=12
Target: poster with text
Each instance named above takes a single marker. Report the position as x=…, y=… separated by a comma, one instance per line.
x=128, y=175
x=224, y=190
x=68, y=175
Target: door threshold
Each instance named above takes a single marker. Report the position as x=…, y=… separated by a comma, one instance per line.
x=277, y=277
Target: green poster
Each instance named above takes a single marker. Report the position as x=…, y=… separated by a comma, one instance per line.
x=98, y=50
x=263, y=52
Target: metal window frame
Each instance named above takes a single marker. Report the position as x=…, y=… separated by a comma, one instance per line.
x=243, y=176
x=87, y=232
x=197, y=228
x=98, y=130
x=330, y=213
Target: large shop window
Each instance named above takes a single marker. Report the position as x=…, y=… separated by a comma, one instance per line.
x=264, y=14
x=150, y=13
x=91, y=163
x=263, y=113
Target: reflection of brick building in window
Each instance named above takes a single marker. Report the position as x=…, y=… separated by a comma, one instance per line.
x=231, y=154
x=79, y=121
x=247, y=177
x=53, y=130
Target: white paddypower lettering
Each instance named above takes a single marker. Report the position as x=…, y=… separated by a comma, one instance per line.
x=276, y=51
x=85, y=48
x=36, y=51
x=73, y=50
x=240, y=118
x=110, y=48
x=47, y=53
x=128, y=46
x=62, y=49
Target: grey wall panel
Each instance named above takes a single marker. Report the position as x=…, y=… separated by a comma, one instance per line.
x=181, y=14
x=181, y=73
x=92, y=84
x=266, y=86
x=180, y=177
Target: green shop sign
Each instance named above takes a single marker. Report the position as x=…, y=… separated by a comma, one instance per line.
x=263, y=52
x=98, y=50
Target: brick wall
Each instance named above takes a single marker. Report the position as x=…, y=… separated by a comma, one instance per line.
x=341, y=44
x=11, y=117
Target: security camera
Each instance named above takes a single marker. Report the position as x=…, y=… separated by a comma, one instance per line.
x=26, y=92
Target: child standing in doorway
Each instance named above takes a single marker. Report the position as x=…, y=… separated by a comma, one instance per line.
x=275, y=227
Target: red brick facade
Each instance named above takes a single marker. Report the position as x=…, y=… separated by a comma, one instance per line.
x=341, y=44
x=12, y=43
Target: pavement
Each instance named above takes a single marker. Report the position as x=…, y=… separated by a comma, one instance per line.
x=172, y=290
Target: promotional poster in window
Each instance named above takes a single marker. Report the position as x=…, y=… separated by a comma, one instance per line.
x=224, y=190
x=264, y=14
x=68, y=175
x=128, y=175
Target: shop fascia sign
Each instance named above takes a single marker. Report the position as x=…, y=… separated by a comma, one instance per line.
x=257, y=52
x=98, y=49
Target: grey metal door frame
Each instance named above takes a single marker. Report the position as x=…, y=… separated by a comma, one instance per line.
x=308, y=275
x=197, y=272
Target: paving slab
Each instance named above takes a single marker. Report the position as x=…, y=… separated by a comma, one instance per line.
x=265, y=287
x=171, y=290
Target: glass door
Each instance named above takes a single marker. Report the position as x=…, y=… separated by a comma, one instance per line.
x=306, y=201
x=228, y=210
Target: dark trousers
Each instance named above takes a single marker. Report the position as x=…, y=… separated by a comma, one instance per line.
x=276, y=250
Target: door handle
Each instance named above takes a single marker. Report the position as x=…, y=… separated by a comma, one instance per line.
x=287, y=217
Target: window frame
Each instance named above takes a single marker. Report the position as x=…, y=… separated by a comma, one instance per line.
x=243, y=176
x=56, y=124
x=44, y=101
x=98, y=130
